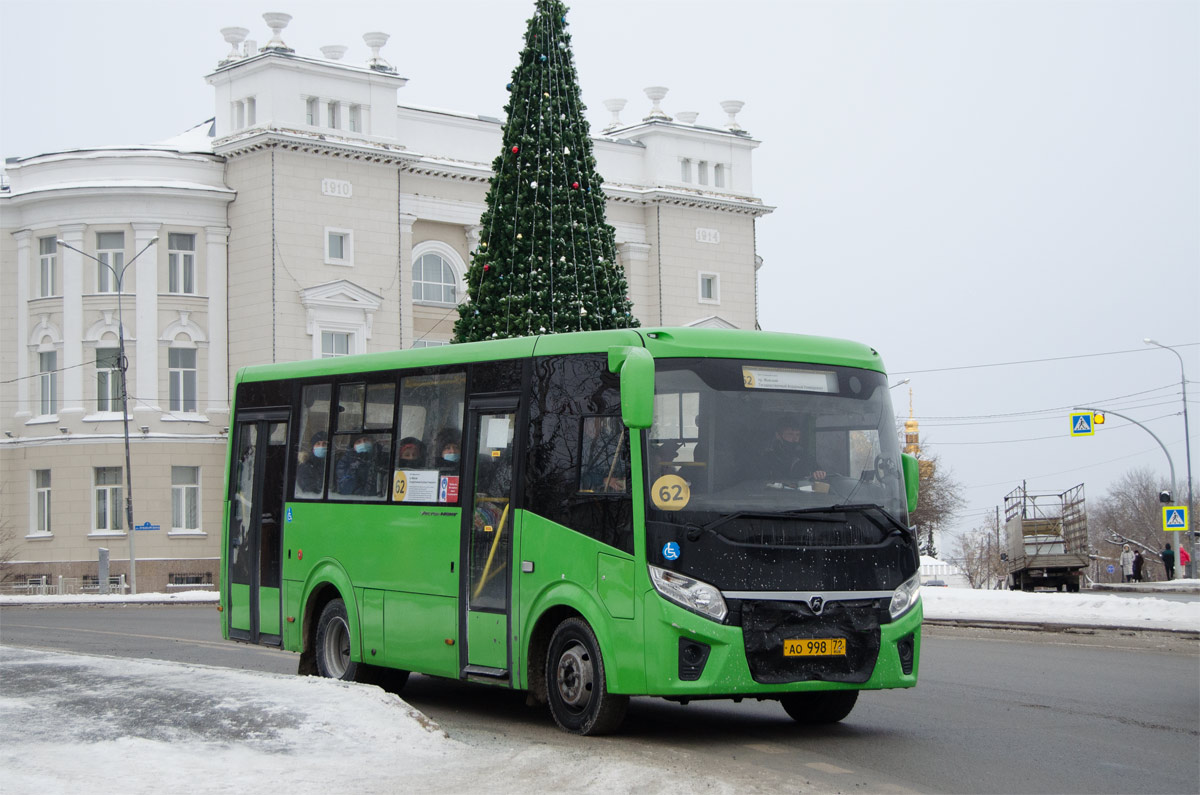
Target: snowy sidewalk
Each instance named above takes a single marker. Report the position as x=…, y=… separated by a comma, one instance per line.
x=73, y=723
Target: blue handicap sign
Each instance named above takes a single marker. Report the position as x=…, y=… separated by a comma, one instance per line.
x=289, y=514
x=670, y=550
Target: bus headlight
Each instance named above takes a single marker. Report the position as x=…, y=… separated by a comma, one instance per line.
x=689, y=593
x=905, y=596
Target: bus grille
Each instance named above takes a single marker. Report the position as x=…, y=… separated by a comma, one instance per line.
x=766, y=625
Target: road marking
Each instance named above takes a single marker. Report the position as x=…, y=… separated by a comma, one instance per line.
x=768, y=748
x=825, y=767
x=217, y=644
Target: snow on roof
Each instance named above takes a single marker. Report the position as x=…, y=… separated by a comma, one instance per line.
x=197, y=139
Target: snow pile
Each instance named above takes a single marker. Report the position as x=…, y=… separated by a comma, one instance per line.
x=1084, y=609
x=190, y=597
x=77, y=723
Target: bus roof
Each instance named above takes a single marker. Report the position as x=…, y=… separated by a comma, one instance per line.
x=663, y=342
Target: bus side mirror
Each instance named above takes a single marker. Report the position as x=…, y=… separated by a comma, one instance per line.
x=912, y=474
x=636, y=368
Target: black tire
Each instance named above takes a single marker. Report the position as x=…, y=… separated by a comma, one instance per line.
x=390, y=679
x=575, y=683
x=332, y=643
x=820, y=708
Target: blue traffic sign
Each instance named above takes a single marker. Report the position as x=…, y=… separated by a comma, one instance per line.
x=1081, y=424
x=1110, y=568
x=1175, y=518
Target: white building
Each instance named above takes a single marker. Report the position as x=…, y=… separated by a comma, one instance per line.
x=315, y=216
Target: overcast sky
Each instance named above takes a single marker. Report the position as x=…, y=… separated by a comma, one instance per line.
x=959, y=184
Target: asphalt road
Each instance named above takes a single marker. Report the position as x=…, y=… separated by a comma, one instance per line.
x=996, y=711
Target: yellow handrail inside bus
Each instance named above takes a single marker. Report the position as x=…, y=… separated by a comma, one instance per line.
x=487, y=567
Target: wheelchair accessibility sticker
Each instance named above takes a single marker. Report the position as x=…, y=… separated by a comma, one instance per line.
x=670, y=550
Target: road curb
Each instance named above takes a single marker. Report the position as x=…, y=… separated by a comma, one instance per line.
x=1066, y=629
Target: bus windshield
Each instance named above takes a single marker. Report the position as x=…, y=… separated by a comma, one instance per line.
x=743, y=436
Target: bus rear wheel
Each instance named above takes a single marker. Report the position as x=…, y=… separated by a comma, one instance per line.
x=332, y=643
x=575, y=682
x=814, y=709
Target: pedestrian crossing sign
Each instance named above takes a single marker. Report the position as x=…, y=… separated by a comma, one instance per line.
x=1081, y=424
x=1175, y=517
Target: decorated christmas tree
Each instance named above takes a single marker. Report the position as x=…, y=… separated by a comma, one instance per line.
x=546, y=260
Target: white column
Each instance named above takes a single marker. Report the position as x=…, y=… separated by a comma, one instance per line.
x=21, y=338
x=145, y=308
x=635, y=260
x=216, y=274
x=406, y=288
x=73, y=266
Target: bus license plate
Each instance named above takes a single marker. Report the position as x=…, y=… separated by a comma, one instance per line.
x=815, y=647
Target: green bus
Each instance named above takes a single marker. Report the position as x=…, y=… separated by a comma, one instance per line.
x=675, y=512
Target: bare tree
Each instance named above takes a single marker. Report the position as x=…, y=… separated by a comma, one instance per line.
x=1131, y=514
x=977, y=553
x=8, y=549
x=937, y=502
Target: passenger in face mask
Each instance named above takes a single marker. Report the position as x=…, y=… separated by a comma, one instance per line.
x=310, y=474
x=357, y=470
x=411, y=454
x=786, y=459
x=449, y=449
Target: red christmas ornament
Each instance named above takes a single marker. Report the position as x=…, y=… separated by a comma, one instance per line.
x=516, y=149
x=575, y=185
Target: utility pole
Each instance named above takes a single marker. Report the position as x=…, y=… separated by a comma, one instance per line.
x=123, y=366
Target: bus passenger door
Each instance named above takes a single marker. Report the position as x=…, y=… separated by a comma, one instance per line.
x=487, y=539
x=256, y=528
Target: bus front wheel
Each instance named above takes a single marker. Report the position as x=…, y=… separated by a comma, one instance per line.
x=826, y=706
x=575, y=684
x=332, y=643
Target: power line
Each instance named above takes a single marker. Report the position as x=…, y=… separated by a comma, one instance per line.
x=1032, y=361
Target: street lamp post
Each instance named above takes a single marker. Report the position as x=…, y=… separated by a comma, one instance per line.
x=1187, y=453
x=122, y=365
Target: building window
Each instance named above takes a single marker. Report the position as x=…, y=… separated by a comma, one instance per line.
x=429, y=343
x=335, y=114
x=108, y=379
x=181, y=371
x=108, y=499
x=47, y=254
x=339, y=247
x=181, y=263
x=336, y=343
x=185, y=499
x=310, y=111
x=702, y=172
x=685, y=170
x=180, y=580
x=48, y=382
x=110, y=250
x=719, y=175
x=710, y=288
x=356, y=118
x=41, y=498
x=434, y=280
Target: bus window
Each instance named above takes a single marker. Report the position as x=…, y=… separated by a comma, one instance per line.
x=429, y=452
x=604, y=456
x=362, y=442
x=312, y=454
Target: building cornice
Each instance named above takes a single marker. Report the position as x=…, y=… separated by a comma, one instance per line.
x=262, y=139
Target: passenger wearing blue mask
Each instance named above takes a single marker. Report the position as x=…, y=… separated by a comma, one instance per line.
x=449, y=450
x=310, y=474
x=357, y=471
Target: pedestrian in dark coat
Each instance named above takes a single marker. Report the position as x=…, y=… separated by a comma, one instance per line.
x=1138, y=562
x=1168, y=557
